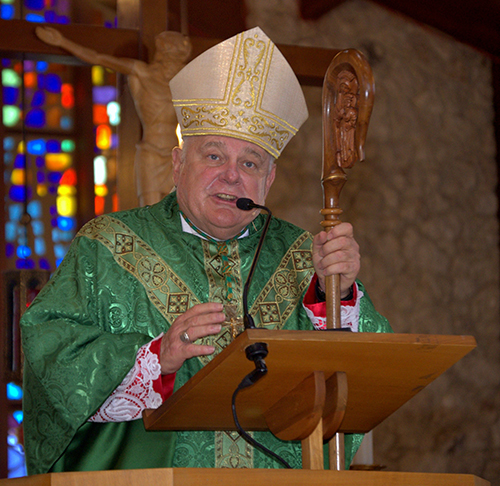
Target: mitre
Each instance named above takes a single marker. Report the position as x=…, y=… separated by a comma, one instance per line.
x=242, y=88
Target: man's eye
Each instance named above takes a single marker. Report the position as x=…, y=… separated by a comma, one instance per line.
x=249, y=165
x=213, y=157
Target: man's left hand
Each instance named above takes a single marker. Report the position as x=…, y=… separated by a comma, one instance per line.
x=337, y=252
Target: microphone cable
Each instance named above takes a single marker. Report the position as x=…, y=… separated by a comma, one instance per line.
x=258, y=351
x=250, y=380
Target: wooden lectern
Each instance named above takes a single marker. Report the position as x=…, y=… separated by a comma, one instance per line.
x=318, y=383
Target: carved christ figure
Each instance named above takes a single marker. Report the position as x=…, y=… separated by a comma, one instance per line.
x=149, y=86
x=345, y=119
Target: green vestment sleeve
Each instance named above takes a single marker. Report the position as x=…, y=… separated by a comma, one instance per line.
x=75, y=356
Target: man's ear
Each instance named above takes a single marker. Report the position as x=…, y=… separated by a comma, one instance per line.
x=270, y=178
x=176, y=163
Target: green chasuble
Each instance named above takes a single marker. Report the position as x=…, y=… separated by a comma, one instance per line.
x=125, y=279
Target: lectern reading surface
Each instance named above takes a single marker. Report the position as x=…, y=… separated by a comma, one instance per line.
x=383, y=372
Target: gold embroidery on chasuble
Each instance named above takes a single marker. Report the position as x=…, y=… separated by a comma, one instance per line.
x=223, y=270
x=232, y=451
x=165, y=289
x=281, y=294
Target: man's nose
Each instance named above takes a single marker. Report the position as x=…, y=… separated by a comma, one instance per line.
x=231, y=172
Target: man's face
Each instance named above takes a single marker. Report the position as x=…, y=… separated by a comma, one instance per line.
x=213, y=173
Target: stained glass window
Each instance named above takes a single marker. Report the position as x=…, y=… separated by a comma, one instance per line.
x=59, y=11
x=106, y=117
x=39, y=146
x=16, y=460
x=39, y=174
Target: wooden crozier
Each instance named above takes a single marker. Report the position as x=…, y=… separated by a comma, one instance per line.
x=348, y=95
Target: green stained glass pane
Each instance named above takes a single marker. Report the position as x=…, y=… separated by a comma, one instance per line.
x=68, y=145
x=11, y=115
x=10, y=78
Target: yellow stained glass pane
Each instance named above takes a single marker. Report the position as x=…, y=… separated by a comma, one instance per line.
x=66, y=205
x=65, y=190
x=41, y=190
x=18, y=177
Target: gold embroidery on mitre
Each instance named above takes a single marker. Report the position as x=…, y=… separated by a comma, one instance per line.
x=236, y=108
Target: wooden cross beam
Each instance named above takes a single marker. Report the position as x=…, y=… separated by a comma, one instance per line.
x=18, y=36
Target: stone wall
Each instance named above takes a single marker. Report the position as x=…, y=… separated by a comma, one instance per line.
x=424, y=209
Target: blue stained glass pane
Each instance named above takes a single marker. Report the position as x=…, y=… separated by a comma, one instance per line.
x=10, y=95
x=42, y=66
x=8, y=158
x=40, y=177
x=60, y=236
x=10, y=231
x=50, y=16
x=58, y=261
x=14, y=392
x=66, y=224
x=34, y=4
x=23, y=251
x=38, y=99
x=59, y=251
x=53, y=146
x=41, y=81
x=31, y=17
x=11, y=440
x=44, y=264
x=54, y=177
x=7, y=12
x=66, y=123
x=19, y=193
x=18, y=416
x=35, y=118
x=53, y=83
x=102, y=95
x=35, y=209
x=53, y=210
x=9, y=250
x=9, y=143
x=15, y=212
x=38, y=228
x=28, y=264
x=40, y=248
x=40, y=161
x=36, y=147
x=20, y=161
x=62, y=19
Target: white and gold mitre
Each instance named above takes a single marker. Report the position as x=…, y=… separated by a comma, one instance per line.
x=242, y=88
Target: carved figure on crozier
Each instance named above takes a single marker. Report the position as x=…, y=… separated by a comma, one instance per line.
x=345, y=117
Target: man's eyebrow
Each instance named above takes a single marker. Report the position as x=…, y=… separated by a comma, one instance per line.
x=251, y=151
x=214, y=143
